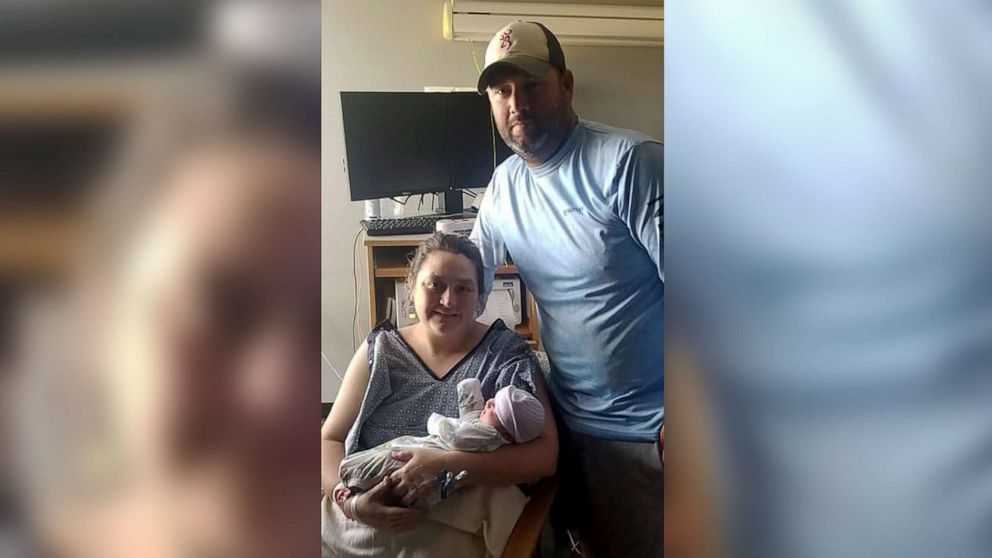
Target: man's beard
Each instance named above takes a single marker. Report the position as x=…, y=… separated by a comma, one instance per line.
x=536, y=141
x=526, y=145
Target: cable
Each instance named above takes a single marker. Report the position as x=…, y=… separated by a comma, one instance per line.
x=354, y=275
x=492, y=122
x=333, y=369
x=475, y=58
x=494, y=149
x=492, y=128
x=574, y=544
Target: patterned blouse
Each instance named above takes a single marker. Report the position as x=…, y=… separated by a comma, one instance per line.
x=402, y=391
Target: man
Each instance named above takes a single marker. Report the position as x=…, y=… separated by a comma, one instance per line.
x=579, y=210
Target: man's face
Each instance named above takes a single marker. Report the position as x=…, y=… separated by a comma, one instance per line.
x=532, y=114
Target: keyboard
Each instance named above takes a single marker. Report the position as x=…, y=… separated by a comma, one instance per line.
x=419, y=224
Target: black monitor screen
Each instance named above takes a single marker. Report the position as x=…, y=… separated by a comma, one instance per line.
x=412, y=143
x=397, y=143
x=473, y=141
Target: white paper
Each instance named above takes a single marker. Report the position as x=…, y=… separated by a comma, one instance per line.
x=406, y=314
x=512, y=285
x=498, y=307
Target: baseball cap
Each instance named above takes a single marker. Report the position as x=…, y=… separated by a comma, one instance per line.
x=525, y=45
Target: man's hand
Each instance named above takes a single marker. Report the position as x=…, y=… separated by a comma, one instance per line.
x=372, y=509
x=416, y=482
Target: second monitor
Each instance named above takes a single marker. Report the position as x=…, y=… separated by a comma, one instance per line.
x=401, y=143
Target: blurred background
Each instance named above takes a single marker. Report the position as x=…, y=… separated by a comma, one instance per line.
x=828, y=278
x=159, y=277
x=829, y=312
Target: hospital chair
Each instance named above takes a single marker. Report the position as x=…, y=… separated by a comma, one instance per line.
x=526, y=533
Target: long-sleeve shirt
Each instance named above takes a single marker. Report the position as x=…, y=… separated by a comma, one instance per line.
x=584, y=229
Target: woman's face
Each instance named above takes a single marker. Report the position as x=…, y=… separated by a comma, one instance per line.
x=445, y=293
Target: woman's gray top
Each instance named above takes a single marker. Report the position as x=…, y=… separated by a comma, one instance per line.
x=402, y=391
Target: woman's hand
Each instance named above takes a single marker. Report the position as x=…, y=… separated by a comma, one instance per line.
x=373, y=508
x=416, y=482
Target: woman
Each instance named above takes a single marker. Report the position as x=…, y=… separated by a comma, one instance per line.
x=397, y=378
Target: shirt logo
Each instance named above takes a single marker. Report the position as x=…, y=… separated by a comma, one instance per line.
x=572, y=211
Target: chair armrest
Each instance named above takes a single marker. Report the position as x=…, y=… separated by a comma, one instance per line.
x=524, y=537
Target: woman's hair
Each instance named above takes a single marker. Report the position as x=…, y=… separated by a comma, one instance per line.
x=455, y=244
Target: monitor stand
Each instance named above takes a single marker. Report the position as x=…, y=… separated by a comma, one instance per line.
x=452, y=202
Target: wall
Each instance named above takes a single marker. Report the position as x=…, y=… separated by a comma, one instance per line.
x=396, y=45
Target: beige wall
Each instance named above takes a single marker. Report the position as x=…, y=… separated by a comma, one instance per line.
x=396, y=45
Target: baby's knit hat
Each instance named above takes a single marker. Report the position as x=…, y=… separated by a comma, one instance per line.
x=520, y=413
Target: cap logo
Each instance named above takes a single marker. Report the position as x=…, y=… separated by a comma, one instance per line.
x=504, y=39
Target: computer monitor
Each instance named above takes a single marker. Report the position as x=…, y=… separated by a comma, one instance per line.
x=476, y=147
x=401, y=144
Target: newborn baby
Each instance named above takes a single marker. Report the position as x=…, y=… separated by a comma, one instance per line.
x=512, y=416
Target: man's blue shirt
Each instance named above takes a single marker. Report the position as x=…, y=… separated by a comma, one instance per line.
x=584, y=229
